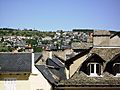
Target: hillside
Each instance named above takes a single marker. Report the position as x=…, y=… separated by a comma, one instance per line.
x=25, y=32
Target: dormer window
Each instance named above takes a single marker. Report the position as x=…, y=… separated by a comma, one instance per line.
x=117, y=69
x=93, y=65
x=95, y=69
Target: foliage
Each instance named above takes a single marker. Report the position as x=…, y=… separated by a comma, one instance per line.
x=5, y=49
x=37, y=49
x=25, y=32
x=33, y=42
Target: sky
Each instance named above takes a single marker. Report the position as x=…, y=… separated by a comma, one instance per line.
x=52, y=15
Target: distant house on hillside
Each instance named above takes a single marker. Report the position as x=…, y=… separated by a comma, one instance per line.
x=47, y=38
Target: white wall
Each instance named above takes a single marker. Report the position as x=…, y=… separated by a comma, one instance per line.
x=39, y=82
x=97, y=41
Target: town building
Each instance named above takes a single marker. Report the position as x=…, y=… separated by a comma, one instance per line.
x=97, y=67
x=85, y=66
x=18, y=72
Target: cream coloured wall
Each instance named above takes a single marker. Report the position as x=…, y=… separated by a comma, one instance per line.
x=97, y=41
x=35, y=82
x=1, y=85
x=39, y=82
x=115, y=41
x=22, y=85
x=76, y=64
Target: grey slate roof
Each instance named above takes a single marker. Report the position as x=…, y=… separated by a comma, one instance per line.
x=57, y=69
x=62, y=60
x=15, y=62
x=46, y=73
x=57, y=61
x=59, y=73
x=37, y=57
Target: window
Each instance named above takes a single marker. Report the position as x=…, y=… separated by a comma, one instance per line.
x=95, y=69
x=117, y=68
x=9, y=84
x=92, y=68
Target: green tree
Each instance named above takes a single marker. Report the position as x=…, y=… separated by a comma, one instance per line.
x=37, y=49
x=2, y=40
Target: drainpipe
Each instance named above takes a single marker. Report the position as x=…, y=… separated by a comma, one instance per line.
x=33, y=62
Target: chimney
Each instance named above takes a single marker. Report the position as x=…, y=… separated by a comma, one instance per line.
x=50, y=54
x=34, y=70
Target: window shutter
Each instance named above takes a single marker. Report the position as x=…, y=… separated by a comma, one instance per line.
x=88, y=69
x=98, y=69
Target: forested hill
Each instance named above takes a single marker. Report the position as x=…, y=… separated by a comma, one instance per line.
x=25, y=32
